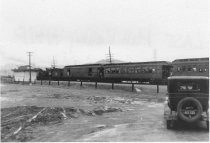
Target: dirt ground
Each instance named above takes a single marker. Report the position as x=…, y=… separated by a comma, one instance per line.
x=61, y=113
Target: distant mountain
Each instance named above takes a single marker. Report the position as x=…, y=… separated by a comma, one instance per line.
x=105, y=61
x=7, y=69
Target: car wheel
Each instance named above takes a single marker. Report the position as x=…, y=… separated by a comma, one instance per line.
x=189, y=109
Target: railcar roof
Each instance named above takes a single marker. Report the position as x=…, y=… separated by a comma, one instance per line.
x=82, y=65
x=132, y=63
x=188, y=77
x=129, y=63
x=24, y=70
x=191, y=60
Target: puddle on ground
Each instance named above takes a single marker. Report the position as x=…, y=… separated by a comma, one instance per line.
x=109, y=131
x=139, y=102
x=154, y=105
x=4, y=99
x=10, y=99
x=1, y=85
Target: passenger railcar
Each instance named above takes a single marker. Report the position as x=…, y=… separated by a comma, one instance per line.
x=152, y=72
x=83, y=72
x=191, y=67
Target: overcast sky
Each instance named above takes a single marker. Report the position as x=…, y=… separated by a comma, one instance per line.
x=80, y=31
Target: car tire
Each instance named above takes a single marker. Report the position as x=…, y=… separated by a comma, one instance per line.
x=196, y=102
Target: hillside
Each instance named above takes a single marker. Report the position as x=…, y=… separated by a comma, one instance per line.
x=105, y=61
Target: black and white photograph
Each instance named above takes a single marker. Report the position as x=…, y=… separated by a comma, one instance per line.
x=104, y=70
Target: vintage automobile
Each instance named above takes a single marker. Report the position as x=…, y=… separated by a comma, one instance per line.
x=188, y=100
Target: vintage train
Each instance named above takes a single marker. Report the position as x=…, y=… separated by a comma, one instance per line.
x=155, y=72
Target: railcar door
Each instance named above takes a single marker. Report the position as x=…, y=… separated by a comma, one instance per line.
x=166, y=71
x=89, y=71
x=68, y=72
x=100, y=72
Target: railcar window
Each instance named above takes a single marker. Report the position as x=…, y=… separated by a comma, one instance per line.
x=107, y=71
x=68, y=72
x=194, y=69
x=153, y=70
x=115, y=70
x=178, y=69
x=112, y=70
x=149, y=70
x=200, y=70
x=138, y=70
x=189, y=69
x=131, y=70
x=205, y=69
x=159, y=68
x=89, y=69
x=124, y=70
x=144, y=70
x=183, y=68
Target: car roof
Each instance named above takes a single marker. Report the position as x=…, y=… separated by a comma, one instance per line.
x=188, y=77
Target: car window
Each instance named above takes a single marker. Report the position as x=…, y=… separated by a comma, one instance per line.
x=188, y=86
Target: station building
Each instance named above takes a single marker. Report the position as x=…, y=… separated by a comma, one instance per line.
x=22, y=73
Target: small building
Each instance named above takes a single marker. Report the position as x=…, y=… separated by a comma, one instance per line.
x=22, y=73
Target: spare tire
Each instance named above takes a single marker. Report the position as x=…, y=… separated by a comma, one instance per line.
x=189, y=109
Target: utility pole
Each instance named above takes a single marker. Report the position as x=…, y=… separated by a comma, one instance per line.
x=110, y=56
x=29, y=55
x=53, y=64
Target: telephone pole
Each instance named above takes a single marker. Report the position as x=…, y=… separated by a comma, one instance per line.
x=110, y=56
x=53, y=63
x=29, y=55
